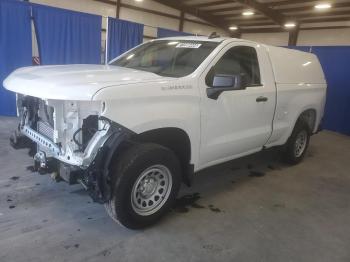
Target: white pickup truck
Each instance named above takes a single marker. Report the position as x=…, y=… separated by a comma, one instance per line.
x=131, y=131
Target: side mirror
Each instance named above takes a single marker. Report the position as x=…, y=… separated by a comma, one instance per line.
x=222, y=83
x=226, y=81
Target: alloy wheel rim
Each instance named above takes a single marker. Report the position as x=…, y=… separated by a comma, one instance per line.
x=151, y=190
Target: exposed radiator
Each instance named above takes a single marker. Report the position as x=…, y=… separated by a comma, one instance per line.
x=45, y=129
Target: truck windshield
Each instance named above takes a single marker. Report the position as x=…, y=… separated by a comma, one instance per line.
x=167, y=58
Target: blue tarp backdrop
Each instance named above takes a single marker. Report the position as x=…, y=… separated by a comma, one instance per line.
x=122, y=36
x=15, y=47
x=67, y=37
x=334, y=61
x=162, y=32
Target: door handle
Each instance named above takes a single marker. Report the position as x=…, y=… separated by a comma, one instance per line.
x=261, y=99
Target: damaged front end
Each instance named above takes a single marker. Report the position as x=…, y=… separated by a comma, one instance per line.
x=71, y=139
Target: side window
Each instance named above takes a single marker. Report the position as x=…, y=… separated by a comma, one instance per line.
x=242, y=61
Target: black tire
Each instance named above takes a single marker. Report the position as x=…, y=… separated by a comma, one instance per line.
x=129, y=168
x=290, y=152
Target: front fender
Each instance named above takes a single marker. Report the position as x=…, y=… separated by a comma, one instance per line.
x=154, y=107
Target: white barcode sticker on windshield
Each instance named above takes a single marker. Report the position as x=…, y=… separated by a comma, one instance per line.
x=188, y=45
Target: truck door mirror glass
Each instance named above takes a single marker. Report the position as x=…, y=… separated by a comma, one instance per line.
x=222, y=83
x=229, y=81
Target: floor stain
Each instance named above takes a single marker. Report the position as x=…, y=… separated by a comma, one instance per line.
x=104, y=253
x=76, y=245
x=14, y=178
x=279, y=205
x=82, y=192
x=31, y=168
x=256, y=174
x=12, y=207
x=195, y=205
x=249, y=166
x=235, y=168
x=214, y=209
x=212, y=248
x=183, y=203
x=271, y=167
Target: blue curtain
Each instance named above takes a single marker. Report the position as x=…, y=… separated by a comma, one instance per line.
x=122, y=36
x=162, y=32
x=67, y=37
x=334, y=61
x=15, y=47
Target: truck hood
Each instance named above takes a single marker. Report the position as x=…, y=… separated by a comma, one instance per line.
x=72, y=82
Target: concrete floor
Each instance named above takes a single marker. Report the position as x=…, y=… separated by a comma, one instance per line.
x=253, y=209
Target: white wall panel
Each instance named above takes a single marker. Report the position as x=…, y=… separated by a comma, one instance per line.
x=201, y=29
x=324, y=37
x=148, y=4
x=87, y=6
x=149, y=19
x=306, y=37
x=277, y=39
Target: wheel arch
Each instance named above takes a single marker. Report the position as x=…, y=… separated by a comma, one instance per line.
x=177, y=140
x=309, y=116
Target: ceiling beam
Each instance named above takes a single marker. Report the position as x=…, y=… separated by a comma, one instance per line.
x=182, y=20
x=252, y=23
x=224, y=9
x=291, y=2
x=117, y=10
x=279, y=30
x=293, y=36
x=274, y=15
x=215, y=3
x=324, y=19
x=320, y=15
x=150, y=11
x=195, y=12
x=311, y=8
x=256, y=19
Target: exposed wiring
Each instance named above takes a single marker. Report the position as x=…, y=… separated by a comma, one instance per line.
x=91, y=131
x=80, y=146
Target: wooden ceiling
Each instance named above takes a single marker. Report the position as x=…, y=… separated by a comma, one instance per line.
x=269, y=15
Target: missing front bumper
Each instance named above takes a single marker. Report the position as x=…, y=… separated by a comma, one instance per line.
x=94, y=176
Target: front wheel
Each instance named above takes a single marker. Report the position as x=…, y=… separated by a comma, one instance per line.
x=147, y=180
x=297, y=143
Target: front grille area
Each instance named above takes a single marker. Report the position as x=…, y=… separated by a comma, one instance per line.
x=45, y=129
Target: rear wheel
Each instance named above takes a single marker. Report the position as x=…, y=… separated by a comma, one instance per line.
x=297, y=143
x=147, y=180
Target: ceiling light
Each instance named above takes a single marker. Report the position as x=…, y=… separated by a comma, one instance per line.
x=138, y=0
x=289, y=25
x=233, y=28
x=248, y=13
x=323, y=6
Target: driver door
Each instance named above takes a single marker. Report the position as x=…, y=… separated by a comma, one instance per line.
x=239, y=121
